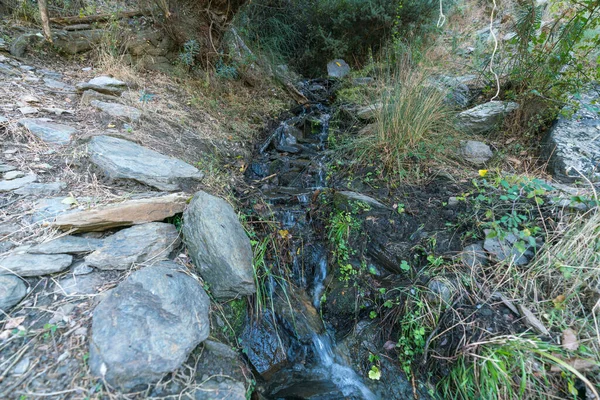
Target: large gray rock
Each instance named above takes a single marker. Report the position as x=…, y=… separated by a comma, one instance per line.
x=12, y=290
x=148, y=326
x=34, y=264
x=476, y=153
x=218, y=246
x=485, y=117
x=121, y=159
x=103, y=84
x=572, y=144
x=67, y=244
x=48, y=131
x=7, y=186
x=338, y=68
x=154, y=241
x=117, y=110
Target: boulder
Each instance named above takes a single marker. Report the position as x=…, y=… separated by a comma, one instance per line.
x=127, y=213
x=485, y=117
x=572, y=143
x=117, y=110
x=338, y=68
x=147, y=326
x=7, y=186
x=122, y=159
x=154, y=241
x=12, y=290
x=103, y=84
x=474, y=152
x=67, y=245
x=34, y=264
x=218, y=246
x=49, y=132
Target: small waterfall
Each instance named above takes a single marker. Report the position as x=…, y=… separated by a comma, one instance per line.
x=319, y=281
x=342, y=376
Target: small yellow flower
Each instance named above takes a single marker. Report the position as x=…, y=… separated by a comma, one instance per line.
x=483, y=172
x=338, y=64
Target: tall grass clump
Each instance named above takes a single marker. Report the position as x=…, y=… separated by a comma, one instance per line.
x=413, y=124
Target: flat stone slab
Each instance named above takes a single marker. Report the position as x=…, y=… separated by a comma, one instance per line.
x=67, y=244
x=41, y=189
x=58, y=85
x=49, y=132
x=12, y=290
x=485, y=117
x=122, y=159
x=573, y=144
x=103, y=84
x=9, y=176
x=47, y=209
x=34, y=264
x=154, y=241
x=81, y=284
x=6, y=168
x=132, y=212
x=147, y=326
x=7, y=186
x=118, y=110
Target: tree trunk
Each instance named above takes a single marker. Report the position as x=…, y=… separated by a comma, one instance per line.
x=45, y=21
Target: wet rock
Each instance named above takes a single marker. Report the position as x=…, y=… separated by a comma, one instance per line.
x=117, y=110
x=103, y=84
x=218, y=246
x=47, y=209
x=485, y=117
x=473, y=256
x=571, y=145
x=34, y=264
x=148, y=326
x=127, y=213
x=12, y=290
x=337, y=68
x=7, y=186
x=154, y=241
x=503, y=249
x=49, y=132
x=58, y=85
x=265, y=348
x=121, y=159
x=68, y=245
x=41, y=189
x=476, y=153
x=346, y=200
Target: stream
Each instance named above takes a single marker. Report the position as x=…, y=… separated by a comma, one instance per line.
x=289, y=345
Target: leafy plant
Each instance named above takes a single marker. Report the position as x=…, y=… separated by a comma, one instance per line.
x=341, y=224
x=187, y=56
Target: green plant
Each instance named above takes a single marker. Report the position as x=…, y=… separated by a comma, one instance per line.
x=341, y=224
x=413, y=330
x=187, y=56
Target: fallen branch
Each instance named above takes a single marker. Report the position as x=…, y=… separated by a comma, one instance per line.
x=95, y=18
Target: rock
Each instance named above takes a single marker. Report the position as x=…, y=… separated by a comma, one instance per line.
x=485, y=117
x=67, y=244
x=117, y=110
x=224, y=364
x=453, y=202
x=7, y=186
x=572, y=143
x=370, y=112
x=8, y=70
x=473, y=256
x=441, y=290
x=337, y=69
x=49, y=132
x=58, y=85
x=127, y=213
x=474, y=152
x=457, y=92
x=154, y=241
x=219, y=247
x=89, y=95
x=34, y=264
x=41, y=189
x=265, y=348
x=22, y=366
x=20, y=45
x=47, y=209
x=121, y=159
x=3, y=120
x=346, y=200
x=9, y=176
x=504, y=249
x=83, y=285
x=285, y=138
x=28, y=110
x=6, y=168
x=148, y=326
x=363, y=81
x=225, y=389
x=77, y=41
x=12, y=290
x=103, y=84
x=6, y=245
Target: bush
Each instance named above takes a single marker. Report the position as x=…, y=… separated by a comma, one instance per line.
x=308, y=33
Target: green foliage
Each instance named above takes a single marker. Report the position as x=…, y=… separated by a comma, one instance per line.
x=341, y=224
x=413, y=330
x=188, y=54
